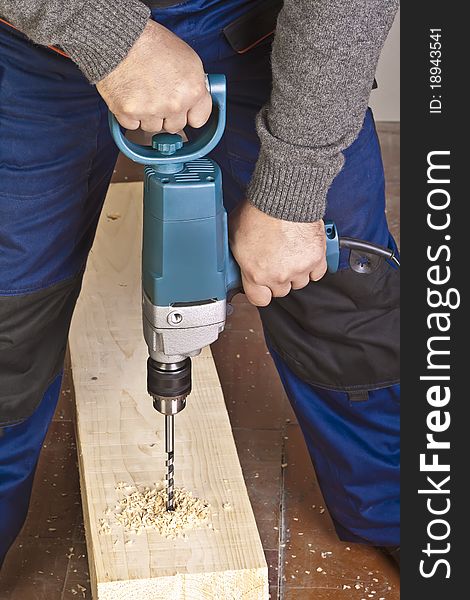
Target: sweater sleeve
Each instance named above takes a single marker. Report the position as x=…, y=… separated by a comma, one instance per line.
x=96, y=34
x=324, y=58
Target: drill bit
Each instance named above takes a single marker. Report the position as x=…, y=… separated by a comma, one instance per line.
x=170, y=467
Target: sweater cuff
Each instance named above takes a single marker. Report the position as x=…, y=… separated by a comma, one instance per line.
x=289, y=191
x=100, y=36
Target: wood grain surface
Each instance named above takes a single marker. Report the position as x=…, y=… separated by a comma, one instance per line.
x=121, y=439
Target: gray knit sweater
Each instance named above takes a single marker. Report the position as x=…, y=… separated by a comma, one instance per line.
x=324, y=58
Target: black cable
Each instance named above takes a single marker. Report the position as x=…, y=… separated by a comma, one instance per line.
x=368, y=247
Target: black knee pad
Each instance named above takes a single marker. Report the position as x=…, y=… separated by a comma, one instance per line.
x=342, y=332
x=33, y=339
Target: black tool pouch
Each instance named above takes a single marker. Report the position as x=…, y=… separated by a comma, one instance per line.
x=162, y=3
x=254, y=26
x=342, y=332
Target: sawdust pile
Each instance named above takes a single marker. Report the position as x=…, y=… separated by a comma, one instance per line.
x=144, y=509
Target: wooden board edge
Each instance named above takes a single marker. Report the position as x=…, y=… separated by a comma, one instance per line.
x=86, y=513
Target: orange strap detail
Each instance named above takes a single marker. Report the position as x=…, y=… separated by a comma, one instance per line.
x=54, y=48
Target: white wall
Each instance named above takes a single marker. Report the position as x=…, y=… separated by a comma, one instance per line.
x=385, y=101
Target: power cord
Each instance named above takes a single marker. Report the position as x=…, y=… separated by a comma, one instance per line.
x=368, y=247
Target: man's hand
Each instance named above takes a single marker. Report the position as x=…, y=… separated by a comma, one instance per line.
x=275, y=256
x=159, y=85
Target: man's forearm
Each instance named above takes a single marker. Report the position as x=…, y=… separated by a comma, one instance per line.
x=97, y=34
x=324, y=59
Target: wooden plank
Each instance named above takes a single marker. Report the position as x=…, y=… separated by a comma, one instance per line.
x=120, y=438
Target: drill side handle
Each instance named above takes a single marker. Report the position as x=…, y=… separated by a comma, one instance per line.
x=233, y=279
x=332, y=246
x=206, y=141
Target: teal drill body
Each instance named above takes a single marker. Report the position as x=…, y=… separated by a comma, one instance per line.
x=185, y=244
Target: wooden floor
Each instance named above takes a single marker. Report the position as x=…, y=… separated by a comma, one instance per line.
x=306, y=560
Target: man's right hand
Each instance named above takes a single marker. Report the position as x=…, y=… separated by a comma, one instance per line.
x=159, y=85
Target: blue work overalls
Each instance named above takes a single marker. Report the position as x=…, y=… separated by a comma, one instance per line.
x=56, y=160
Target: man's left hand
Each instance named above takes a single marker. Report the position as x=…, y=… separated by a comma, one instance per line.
x=275, y=256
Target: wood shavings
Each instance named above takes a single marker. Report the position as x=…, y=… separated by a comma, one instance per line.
x=227, y=506
x=140, y=510
x=80, y=588
x=103, y=525
x=70, y=554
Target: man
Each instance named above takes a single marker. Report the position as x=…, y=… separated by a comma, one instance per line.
x=315, y=152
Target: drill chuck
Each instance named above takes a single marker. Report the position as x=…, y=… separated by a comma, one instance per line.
x=169, y=384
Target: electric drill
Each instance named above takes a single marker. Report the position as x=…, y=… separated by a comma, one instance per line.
x=188, y=271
